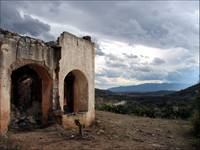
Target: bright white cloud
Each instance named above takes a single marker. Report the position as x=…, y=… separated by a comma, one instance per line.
x=124, y=64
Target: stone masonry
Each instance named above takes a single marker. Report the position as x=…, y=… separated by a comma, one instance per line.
x=44, y=82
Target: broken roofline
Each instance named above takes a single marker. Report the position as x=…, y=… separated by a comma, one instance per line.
x=53, y=44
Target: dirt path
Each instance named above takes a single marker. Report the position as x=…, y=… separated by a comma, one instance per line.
x=110, y=131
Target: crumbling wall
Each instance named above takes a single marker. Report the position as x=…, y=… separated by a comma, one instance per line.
x=77, y=54
x=52, y=62
x=17, y=51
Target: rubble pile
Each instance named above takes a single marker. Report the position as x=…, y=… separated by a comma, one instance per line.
x=25, y=120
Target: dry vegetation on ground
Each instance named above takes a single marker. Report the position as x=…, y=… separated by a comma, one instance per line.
x=110, y=131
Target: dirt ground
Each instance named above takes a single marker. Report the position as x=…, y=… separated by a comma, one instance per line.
x=110, y=131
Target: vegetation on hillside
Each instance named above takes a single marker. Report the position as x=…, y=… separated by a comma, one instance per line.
x=184, y=104
x=176, y=105
x=196, y=122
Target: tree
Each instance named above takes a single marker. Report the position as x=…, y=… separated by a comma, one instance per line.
x=196, y=117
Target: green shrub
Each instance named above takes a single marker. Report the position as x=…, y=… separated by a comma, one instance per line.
x=196, y=124
x=170, y=110
x=184, y=113
x=106, y=107
x=196, y=118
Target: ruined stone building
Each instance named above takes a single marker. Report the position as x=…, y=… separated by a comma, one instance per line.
x=41, y=83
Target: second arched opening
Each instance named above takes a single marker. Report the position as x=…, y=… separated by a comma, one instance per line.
x=75, y=92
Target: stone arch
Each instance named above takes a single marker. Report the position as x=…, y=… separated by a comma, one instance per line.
x=76, y=94
x=45, y=77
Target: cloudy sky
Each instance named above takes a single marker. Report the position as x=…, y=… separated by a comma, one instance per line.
x=136, y=41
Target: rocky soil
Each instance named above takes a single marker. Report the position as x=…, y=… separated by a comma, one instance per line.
x=110, y=131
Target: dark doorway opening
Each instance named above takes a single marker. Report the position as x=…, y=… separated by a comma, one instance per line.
x=75, y=92
x=69, y=93
x=26, y=99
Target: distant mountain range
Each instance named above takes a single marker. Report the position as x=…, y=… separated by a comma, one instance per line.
x=149, y=87
x=157, y=97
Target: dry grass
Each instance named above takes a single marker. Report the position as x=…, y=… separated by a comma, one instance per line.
x=110, y=131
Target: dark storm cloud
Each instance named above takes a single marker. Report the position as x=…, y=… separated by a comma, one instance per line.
x=158, y=61
x=130, y=56
x=149, y=76
x=23, y=24
x=158, y=24
x=110, y=73
x=115, y=61
x=99, y=51
x=28, y=25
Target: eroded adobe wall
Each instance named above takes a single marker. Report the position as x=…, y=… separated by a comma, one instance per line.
x=15, y=52
x=77, y=54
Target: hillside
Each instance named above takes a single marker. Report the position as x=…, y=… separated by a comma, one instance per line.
x=149, y=87
x=110, y=131
x=174, y=105
x=188, y=92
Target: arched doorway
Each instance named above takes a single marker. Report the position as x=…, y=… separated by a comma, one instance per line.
x=75, y=92
x=30, y=97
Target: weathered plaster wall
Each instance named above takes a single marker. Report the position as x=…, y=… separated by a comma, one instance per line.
x=77, y=54
x=52, y=62
x=15, y=52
